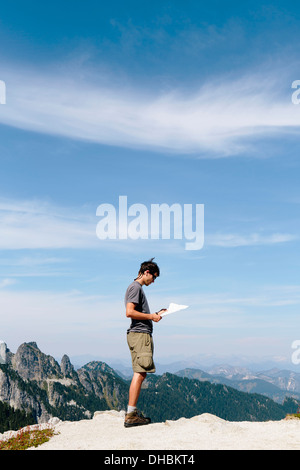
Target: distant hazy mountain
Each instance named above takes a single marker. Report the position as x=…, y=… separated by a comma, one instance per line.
x=275, y=383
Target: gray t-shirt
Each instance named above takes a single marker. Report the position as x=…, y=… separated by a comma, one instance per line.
x=136, y=295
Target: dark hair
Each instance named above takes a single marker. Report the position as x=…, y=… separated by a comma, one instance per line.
x=149, y=266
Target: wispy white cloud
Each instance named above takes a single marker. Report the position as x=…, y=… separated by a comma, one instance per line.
x=220, y=117
x=6, y=282
x=33, y=261
x=36, y=224
x=252, y=239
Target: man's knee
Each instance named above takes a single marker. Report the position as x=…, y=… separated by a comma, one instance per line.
x=141, y=376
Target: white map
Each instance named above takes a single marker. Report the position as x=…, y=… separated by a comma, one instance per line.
x=173, y=308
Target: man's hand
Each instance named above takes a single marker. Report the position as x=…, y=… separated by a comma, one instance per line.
x=156, y=316
x=161, y=311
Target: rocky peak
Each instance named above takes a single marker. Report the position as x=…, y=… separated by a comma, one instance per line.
x=66, y=366
x=98, y=366
x=32, y=364
x=5, y=354
x=3, y=349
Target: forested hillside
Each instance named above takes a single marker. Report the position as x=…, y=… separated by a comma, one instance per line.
x=172, y=397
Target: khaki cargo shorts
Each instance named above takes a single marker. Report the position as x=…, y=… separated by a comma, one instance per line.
x=141, y=348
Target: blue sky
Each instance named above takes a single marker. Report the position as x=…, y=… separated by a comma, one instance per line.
x=163, y=102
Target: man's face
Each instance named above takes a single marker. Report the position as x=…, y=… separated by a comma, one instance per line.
x=149, y=278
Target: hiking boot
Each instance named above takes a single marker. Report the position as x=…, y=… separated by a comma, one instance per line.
x=135, y=418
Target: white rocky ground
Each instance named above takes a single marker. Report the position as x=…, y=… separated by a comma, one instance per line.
x=106, y=431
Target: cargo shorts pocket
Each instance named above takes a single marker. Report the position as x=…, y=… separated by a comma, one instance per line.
x=145, y=360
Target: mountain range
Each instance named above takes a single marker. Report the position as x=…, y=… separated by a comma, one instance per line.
x=275, y=383
x=36, y=384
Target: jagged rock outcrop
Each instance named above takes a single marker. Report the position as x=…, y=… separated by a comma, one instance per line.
x=33, y=381
x=32, y=364
x=66, y=367
x=5, y=354
x=19, y=395
x=2, y=353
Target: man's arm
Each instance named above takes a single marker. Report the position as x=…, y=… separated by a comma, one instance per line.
x=131, y=312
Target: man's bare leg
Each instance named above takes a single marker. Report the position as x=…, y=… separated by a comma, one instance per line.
x=135, y=387
x=133, y=417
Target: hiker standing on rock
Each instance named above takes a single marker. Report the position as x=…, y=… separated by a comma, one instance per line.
x=139, y=337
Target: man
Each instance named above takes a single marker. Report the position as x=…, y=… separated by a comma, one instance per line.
x=139, y=337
